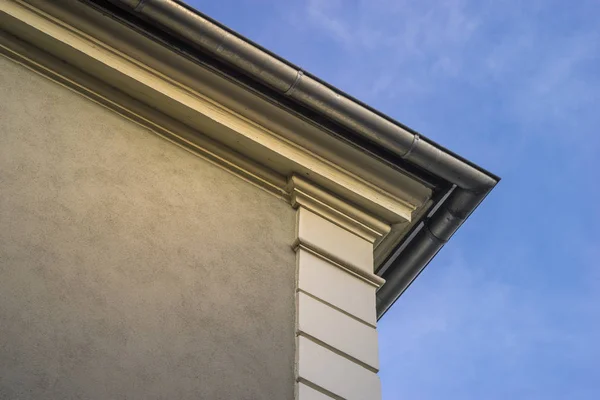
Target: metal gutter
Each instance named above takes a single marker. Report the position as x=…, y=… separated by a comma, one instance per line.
x=471, y=183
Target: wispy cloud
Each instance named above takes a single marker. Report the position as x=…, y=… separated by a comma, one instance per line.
x=322, y=13
x=393, y=36
x=408, y=50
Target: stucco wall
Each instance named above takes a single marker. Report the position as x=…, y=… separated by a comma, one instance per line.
x=130, y=268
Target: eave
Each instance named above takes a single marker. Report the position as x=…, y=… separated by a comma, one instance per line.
x=152, y=65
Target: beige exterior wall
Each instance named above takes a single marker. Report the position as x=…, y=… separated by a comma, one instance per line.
x=130, y=268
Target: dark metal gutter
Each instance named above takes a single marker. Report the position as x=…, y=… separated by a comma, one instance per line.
x=471, y=183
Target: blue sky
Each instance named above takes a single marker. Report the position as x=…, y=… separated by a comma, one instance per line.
x=510, y=309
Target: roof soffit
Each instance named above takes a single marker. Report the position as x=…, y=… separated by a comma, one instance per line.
x=266, y=141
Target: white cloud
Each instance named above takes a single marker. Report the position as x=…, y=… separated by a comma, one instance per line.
x=401, y=48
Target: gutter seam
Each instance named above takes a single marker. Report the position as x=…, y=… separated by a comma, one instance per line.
x=413, y=146
x=299, y=76
x=139, y=6
x=432, y=235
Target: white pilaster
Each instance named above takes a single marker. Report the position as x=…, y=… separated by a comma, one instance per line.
x=337, y=355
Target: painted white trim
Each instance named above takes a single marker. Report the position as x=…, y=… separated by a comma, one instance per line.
x=147, y=117
x=337, y=330
x=336, y=374
x=305, y=392
x=336, y=287
x=335, y=304
x=334, y=242
x=330, y=207
x=197, y=102
x=175, y=99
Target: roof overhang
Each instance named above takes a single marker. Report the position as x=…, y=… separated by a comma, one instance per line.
x=215, y=93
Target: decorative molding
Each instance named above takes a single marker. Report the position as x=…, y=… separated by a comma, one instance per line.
x=359, y=273
x=336, y=352
x=210, y=111
x=332, y=285
x=167, y=92
x=335, y=374
x=322, y=323
x=174, y=131
x=330, y=207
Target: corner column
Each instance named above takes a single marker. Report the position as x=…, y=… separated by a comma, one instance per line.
x=336, y=349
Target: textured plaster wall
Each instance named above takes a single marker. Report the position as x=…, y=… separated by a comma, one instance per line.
x=129, y=268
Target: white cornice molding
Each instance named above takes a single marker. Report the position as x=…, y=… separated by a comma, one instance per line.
x=347, y=186
x=168, y=128
x=305, y=194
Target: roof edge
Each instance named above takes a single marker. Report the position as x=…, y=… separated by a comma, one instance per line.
x=471, y=183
